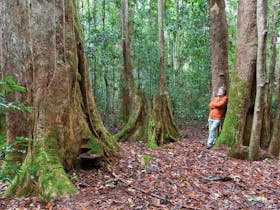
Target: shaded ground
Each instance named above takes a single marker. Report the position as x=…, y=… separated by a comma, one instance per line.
x=182, y=175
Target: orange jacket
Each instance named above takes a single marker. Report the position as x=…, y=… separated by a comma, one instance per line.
x=218, y=107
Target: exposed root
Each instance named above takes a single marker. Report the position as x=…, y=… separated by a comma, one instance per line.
x=134, y=129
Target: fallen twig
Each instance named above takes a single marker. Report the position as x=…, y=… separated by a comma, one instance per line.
x=163, y=200
x=217, y=178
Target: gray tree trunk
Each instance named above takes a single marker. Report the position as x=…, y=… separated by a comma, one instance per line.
x=274, y=147
x=219, y=39
x=267, y=124
x=161, y=47
x=254, y=147
x=161, y=128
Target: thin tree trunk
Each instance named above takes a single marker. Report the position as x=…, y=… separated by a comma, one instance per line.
x=1, y=39
x=2, y=114
x=113, y=93
x=94, y=83
x=127, y=83
x=161, y=47
x=219, y=37
x=161, y=128
x=267, y=130
x=274, y=146
x=107, y=92
x=105, y=67
x=175, y=56
x=134, y=104
x=254, y=148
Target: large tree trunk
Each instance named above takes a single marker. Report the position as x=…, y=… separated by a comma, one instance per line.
x=44, y=51
x=162, y=128
x=254, y=147
x=219, y=37
x=241, y=89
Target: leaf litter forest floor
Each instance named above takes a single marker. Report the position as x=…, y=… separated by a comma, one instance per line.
x=181, y=175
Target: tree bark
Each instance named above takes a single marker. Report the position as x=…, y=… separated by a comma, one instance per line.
x=89, y=17
x=133, y=102
x=43, y=49
x=94, y=80
x=267, y=124
x=254, y=147
x=105, y=68
x=1, y=40
x=274, y=146
x=127, y=81
x=241, y=89
x=161, y=128
x=161, y=47
x=219, y=39
x=2, y=112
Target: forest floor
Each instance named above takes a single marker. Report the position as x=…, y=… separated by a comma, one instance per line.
x=181, y=175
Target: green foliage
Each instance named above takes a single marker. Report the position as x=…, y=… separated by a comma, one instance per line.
x=232, y=121
x=152, y=141
x=189, y=80
x=187, y=35
x=10, y=152
x=145, y=161
x=95, y=146
x=231, y=11
x=2, y=140
x=9, y=85
x=17, y=148
x=147, y=158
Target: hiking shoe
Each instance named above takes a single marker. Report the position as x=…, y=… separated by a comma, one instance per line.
x=208, y=146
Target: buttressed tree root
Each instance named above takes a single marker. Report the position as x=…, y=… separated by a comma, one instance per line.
x=134, y=129
x=162, y=128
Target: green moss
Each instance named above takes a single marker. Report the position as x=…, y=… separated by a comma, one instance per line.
x=146, y=159
x=134, y=128
x=20, y=179
x=52, y=181
x=95, y=146
x=152, y=135
x=42, y=173
x=77, y=22
x=130, y=123
x=110, y=141
x=79, y=77
x=152, y=142
x=232, y=121
x=14, y=155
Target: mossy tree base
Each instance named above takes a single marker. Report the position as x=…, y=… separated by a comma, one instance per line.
x=134, y=129
x=42, y=174
x=64, y=111
x=162, y=128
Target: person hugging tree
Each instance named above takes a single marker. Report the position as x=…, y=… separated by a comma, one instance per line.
x=217, y=107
